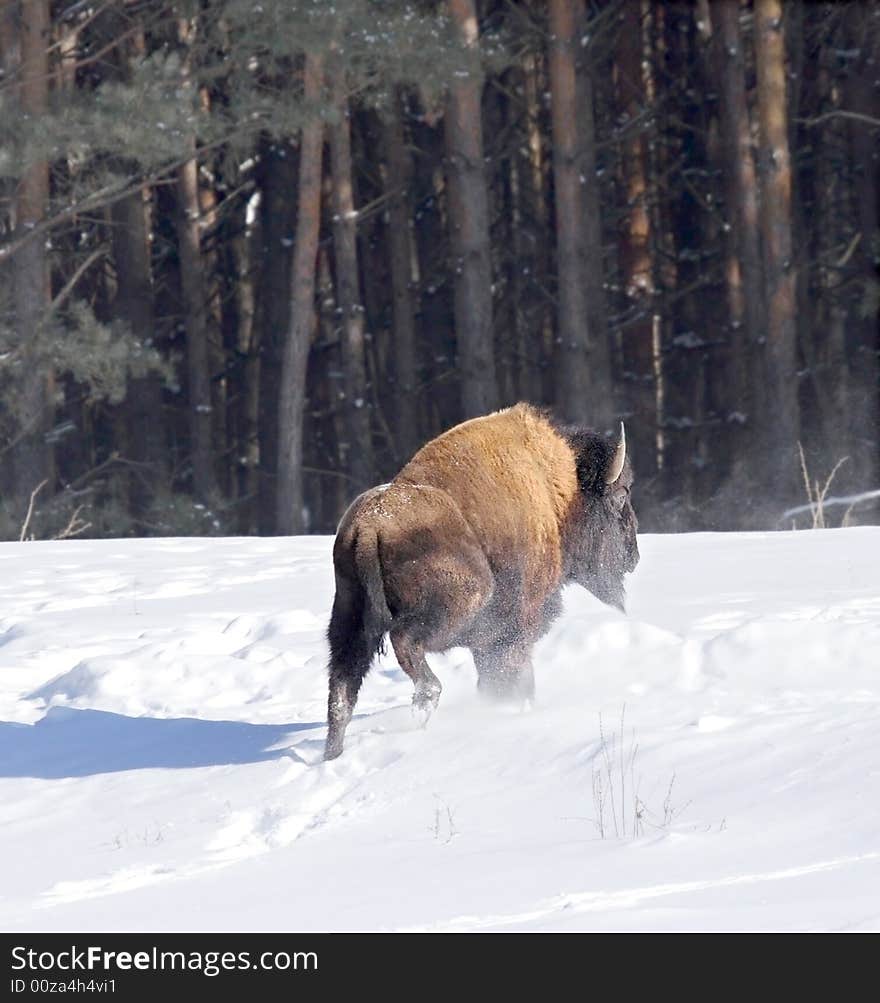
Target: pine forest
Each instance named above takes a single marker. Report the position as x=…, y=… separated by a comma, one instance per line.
x=254, y=253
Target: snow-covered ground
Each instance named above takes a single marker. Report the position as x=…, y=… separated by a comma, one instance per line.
x=162, y=712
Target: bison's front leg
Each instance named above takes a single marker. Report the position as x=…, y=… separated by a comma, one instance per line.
x=504, y=671
x=411, y=656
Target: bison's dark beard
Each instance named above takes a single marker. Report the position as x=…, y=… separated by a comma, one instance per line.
x=608, y=588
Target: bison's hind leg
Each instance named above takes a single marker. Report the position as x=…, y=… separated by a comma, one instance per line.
x=351, y=652
x=411, y=656
x=344, y=687
x=437, y=593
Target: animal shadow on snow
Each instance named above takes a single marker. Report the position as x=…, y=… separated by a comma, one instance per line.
x=81, y=743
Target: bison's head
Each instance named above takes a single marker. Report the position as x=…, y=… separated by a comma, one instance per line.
x=600, y=538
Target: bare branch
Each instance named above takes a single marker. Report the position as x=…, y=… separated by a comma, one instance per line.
x=77, y=275
x=816, y=493
x=74, y=527
x=30, y=510
x=854, y=116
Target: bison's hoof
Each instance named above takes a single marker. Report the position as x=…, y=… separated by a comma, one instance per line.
x=332, y=751
x=424, y=703
x=422, y=712
x=427, y=697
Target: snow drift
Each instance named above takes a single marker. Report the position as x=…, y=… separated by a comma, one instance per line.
x=162, y=708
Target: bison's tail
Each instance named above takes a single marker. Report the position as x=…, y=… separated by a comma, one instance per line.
x=360, y=615
x=377, y=616
x=358, y=624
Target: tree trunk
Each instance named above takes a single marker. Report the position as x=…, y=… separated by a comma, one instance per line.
x=539, y=348
x=32, y=456
x=495, y=155
x=522, y=236
x=213, y=278
x=636, y=264
x=371, y=189
x=781, y=424
x=289, y=513
x=469, y=226
x=193, y=286
x=440, y=401
x=594, y=259
x=10, y=41
x=745, y=293
x=359, y=450
x=10, y=57
x=237, y=317
x=863, y=97
x=825, y=405
x=278, y=186
x=130, y=218
x=325, y=390
x=400, y=253
x=584, y=383
x=134, y=305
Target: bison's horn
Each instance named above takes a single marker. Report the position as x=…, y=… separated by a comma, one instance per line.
x=619, y=457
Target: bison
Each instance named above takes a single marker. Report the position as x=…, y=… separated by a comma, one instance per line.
x=470, y=545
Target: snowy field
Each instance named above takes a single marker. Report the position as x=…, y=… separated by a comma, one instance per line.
x=162, y=710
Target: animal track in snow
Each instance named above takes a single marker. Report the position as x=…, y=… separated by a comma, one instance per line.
x=630, y=898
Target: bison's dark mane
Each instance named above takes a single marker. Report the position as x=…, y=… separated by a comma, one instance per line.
x=593, y=454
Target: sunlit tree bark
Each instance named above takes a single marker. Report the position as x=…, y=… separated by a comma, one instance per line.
x=32, y=456
x=781, y=422
x=356, y=405
x=469, y=226
x=584, y=379
x=289, y=512
x=635, y=258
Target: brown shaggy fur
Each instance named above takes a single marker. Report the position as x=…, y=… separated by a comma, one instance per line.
x=469, y=545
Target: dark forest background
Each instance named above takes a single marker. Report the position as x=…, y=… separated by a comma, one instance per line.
x=253, y=254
